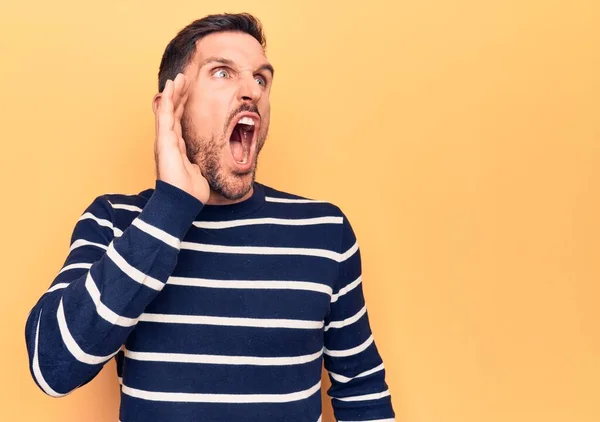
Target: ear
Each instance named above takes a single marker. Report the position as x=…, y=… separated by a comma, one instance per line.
x=156, y=102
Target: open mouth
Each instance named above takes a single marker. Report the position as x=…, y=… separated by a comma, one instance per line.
x=242, y=139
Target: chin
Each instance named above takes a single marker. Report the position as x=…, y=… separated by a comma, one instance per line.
x=232, y=186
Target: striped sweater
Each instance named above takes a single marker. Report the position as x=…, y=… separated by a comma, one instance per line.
x=213, y=313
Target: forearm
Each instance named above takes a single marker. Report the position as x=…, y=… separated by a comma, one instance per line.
x=82, y=321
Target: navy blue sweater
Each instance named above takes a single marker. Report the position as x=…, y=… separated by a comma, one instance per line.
x=213, y=313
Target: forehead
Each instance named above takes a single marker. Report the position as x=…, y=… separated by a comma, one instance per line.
x=239, y=47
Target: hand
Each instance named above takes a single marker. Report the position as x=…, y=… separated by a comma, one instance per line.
x=172, y=163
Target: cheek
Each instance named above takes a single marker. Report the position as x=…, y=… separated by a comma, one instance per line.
x=265, y=113
x=207, y=114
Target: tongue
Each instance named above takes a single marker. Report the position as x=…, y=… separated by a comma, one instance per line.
x=237, y=150
x=240, y=143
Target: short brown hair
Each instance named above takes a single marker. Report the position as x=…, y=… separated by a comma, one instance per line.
x=181, y=49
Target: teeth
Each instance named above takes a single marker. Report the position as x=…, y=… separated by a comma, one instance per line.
x=246, y=121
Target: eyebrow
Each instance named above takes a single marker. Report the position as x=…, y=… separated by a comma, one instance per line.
x=268, y=67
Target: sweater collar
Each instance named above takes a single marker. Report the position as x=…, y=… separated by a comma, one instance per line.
x=239, y=209
x=231, y=211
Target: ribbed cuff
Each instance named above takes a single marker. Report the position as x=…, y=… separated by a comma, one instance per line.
x=171, y=209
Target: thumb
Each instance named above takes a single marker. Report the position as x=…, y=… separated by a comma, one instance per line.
x=182, y=148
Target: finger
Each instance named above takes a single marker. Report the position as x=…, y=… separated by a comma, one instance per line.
x=176, y=90
x=182, y=148
x=185, y=90
x=179, y=85
x=179, y=116
x=177, y=129
x=181, y=107
x=165, y=106
x=165, y=118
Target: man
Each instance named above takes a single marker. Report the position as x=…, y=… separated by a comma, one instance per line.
x=218, y=296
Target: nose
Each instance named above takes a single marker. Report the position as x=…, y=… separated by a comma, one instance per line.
x=249, y=90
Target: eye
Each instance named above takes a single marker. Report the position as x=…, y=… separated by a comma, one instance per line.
x=261, y=81
x=221, y=74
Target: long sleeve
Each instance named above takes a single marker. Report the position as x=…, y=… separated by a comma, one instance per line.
x=108, y=279
x=359, y=391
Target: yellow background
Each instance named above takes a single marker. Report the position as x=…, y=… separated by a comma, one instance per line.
x=461, y=137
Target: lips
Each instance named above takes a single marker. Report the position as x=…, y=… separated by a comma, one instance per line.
x=242, y=140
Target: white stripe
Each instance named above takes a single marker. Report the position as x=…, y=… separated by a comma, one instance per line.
x=346, y=289
x=347, y=321
x=320, y=417
x=133, y=272
x=375, y=420
x=157, y=233
x=37, y=371
x=103, y=310
x=125, y=207
x=343, y=379
x=102, y=222
x=82, y=242
x=222, y=360
x=75, y=266
x=72, y=346
x=221, y=398
x=262, y=250
x=375, y=396
x=275, y=221
x=292, y=201
x=57, y=286
x=349, y=352
x=250, y=284
x=232, y=322
x=349, y=252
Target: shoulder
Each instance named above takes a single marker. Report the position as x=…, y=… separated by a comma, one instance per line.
x=113, y=204
x=283, y=201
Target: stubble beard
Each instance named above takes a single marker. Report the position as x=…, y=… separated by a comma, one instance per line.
x=206, y=154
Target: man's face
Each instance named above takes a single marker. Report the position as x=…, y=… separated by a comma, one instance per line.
x=226, y=117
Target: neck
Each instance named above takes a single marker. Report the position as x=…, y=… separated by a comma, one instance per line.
x=218, y=199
